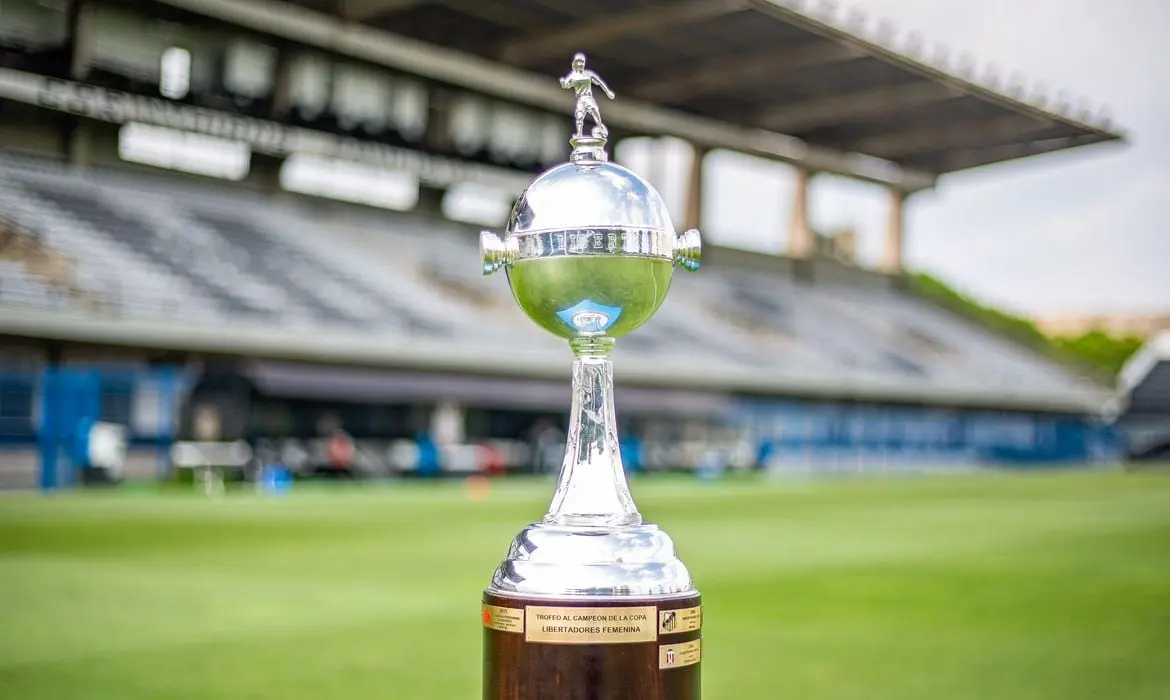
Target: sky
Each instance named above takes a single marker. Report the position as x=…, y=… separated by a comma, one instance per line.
x=1085, y=231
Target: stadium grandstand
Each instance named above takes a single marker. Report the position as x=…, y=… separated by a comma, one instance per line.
x=236, y=232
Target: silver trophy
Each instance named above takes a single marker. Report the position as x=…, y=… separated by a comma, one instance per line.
x=589, y=252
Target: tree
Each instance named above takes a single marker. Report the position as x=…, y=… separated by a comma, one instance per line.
x=1095, y=349
x=1101, y=350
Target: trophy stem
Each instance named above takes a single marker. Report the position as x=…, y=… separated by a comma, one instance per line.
x=592, y=488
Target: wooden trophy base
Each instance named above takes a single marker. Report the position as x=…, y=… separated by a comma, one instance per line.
x=578, y=649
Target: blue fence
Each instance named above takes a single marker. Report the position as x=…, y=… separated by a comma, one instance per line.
x=818, y=434
x=53, y=410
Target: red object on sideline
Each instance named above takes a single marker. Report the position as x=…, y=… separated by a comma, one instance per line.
x=340, y=451
x=491, y=460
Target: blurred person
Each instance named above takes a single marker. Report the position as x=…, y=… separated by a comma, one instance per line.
x=447, y=424
x=491, y=459
x=764, y=454
x=340, y=451
x=205, y=423
x=429, y=461
x=339, y=446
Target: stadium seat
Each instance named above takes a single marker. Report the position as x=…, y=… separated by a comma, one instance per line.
x=152, y=243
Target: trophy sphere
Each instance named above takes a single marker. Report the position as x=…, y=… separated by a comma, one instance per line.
x=589, y=250
x=573, y=196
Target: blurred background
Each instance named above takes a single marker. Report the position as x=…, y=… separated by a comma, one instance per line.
x=286, y=428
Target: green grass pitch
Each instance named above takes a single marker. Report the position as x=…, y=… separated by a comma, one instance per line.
x=993, y=587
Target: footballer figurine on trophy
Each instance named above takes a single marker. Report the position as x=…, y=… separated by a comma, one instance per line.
x=591, y=602
x=581, y=81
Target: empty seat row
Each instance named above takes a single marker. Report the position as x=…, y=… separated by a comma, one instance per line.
x=157, y=244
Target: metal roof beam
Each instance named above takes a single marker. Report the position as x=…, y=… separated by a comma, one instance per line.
x=839, y=109
x=907, y=143
x=1045, y=139
x=714, y=76
x=365, y=10
x=976, y=157
x=548, y=43
x=452, y=67
x=500, y=12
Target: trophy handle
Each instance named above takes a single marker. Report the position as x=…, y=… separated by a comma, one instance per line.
x=497, y=251
x=688, y=250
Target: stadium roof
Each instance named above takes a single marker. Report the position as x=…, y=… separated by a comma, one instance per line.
x=302, y=380
x=772, y=67
x=1145, y=379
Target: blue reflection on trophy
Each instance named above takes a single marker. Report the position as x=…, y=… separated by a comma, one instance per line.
x=589, y=317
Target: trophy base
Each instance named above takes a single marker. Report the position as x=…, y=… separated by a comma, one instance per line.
x=636, y=648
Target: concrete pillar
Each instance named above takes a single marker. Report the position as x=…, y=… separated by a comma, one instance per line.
x=800, y=235
x=81, y=39
x=694, y=213
x=264, y=173
x=430, y=200
x=282, y=84
x=437, y=137
x=892, y=252
x=79, y=143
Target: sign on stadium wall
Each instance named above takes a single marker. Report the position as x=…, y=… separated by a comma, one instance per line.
x=118, y=107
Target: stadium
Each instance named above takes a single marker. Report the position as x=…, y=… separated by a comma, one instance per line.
x=372, y=321
x=241, y=235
